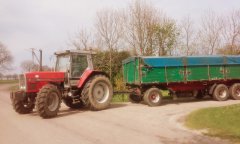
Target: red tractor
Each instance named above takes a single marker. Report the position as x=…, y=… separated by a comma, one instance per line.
x=74, y=82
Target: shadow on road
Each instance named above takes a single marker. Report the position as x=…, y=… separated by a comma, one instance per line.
x=69, y=111
x=117, y=105
x=185, y=100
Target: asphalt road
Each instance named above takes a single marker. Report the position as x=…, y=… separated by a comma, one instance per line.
x=123, y=123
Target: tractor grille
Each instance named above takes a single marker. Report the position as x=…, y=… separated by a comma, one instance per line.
x=22, y=82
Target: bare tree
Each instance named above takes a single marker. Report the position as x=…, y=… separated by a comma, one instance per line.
x=231, y=33
x=83, y=40
x=141, y=18
x=5, y=57
x=109, y=26
x=165, y=36
x=210, y=32
x=187, y=36
x=28, y=66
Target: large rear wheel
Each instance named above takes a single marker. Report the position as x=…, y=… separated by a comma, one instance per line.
x=153, y=97
x=97, y=92
x=48, y=101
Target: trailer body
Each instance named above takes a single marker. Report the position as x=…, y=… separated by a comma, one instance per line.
x=181, y=74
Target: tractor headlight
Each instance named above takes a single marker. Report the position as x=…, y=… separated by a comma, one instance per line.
x=22, y=82
x=22, y=87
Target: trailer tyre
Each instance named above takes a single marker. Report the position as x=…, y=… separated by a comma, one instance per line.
x=153, y=97
x=97, y=92
x=69, y=102
x=199, y=95
x=221, y=92
x=48, y=101
x=235, y=91
x=134, y=98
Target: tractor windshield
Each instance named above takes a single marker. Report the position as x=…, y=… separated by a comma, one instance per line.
x=63, y=63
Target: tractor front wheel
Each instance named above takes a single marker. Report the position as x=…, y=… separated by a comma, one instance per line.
x=48, y=101
x=97, y=92
x=22, y=106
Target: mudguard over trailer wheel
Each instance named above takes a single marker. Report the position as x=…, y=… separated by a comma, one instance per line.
x=48, y=101
x=235, y=91
x=221, y=92
x=153, y=97
x=97, y=92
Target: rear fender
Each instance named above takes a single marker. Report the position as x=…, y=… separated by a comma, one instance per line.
x=87, y=75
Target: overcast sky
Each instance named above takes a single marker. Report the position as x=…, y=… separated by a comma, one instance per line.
x=49, y=24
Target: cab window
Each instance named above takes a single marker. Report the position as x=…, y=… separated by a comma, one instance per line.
x=79, y=64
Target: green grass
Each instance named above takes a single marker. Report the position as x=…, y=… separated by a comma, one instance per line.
x=14, y=88
x=8, y=81
x=223, y=122
x=124, y=97
x=120, y=98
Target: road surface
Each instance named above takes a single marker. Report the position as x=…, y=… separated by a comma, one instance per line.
x=123, y=123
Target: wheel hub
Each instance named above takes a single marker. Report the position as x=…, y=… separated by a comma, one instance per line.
x=101, y=92
x=53, y=101
x=155, y=97
x=223, y=93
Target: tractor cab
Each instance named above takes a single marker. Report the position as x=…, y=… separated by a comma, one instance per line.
x=73, y=63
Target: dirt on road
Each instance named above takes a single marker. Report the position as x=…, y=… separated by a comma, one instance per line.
x=123, y=123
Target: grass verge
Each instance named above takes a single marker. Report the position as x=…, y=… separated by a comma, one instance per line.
x=222, y=122
x=8, y=81
x=14, y=88
x=124, y=97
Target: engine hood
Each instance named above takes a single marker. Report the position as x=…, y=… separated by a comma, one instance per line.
x=45, y=76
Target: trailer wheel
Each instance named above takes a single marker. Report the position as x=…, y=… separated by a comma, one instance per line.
x=48, y=101
x=134, y=98
x=199, y=95
x=69, y=102
x=97, y=92
x=221, y=92
x=153, y=97
x=235, y=91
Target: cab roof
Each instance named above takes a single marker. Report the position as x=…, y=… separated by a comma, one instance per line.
x=66, y=52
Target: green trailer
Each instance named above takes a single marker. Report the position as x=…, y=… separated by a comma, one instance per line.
x=217, y=76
